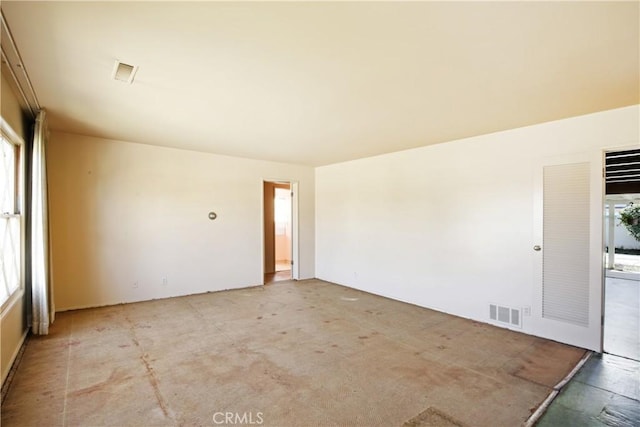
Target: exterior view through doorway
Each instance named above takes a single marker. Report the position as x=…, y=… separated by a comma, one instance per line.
x=278, y=209
x=621, y=287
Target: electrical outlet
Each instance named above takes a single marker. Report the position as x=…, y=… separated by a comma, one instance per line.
x=526, y=310
x=165, y=282
x=135, y=284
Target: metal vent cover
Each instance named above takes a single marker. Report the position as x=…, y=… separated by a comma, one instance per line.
x=507, y=315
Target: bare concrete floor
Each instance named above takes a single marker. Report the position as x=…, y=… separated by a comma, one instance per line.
x=289, y=354
x=606, y=391
x=622, y=318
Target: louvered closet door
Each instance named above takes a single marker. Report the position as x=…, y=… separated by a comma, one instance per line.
x=565, y=274
x=568, y=250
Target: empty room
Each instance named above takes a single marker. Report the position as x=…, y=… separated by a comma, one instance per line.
x=320, y=213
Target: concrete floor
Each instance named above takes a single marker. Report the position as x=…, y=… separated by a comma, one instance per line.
x=289, y=354
x=622, y=318
x=606, y=391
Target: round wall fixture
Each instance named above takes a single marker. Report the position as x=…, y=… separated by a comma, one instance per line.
x=212, y=216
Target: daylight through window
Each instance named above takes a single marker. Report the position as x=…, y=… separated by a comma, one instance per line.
x=10, y=219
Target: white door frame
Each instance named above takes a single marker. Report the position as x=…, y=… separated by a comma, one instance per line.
x=295, y=232
x=604, y=266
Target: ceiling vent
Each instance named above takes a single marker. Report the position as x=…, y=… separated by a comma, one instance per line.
x=124, y=72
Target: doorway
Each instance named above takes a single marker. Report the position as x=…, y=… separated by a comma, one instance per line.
x=278, y=231
x=621, y=290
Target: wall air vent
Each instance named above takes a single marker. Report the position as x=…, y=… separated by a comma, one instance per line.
x=124, y=72
x=506, y=315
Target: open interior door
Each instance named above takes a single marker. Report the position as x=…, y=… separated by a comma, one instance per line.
x=568, y=250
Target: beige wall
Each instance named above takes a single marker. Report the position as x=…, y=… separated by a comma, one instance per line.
x=126, y=216
x=11, y=111
x=283, y=248
x=451, y=226
x=283, y=241
x=13, y=325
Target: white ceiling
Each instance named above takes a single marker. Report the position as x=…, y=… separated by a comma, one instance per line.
x=318, y=83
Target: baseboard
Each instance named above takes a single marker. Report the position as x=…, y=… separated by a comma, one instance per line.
x=15, y=361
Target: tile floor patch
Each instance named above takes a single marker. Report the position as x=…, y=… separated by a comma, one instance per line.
x=621, y=412
x=615, y=374
x=432, y=417
x=593, y=397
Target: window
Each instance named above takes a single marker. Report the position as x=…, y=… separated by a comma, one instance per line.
x=10, y=217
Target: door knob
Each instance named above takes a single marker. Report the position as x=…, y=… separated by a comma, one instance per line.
x=537, y=247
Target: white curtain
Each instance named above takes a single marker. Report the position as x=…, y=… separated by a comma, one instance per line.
x=41, y=289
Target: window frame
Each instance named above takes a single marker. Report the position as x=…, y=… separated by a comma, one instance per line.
x=13, y=138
